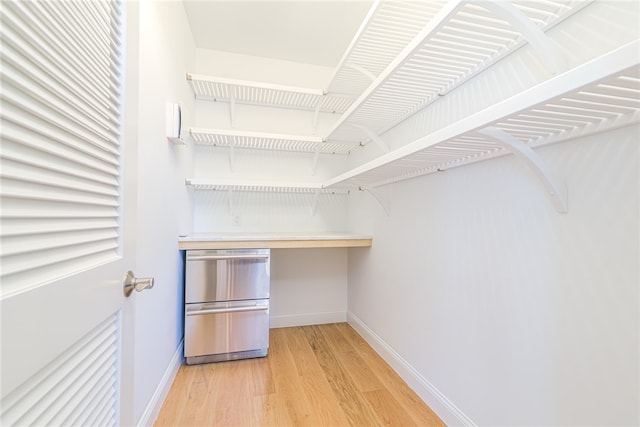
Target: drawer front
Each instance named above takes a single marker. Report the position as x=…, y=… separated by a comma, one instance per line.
x=218, y=328
x=227, y=275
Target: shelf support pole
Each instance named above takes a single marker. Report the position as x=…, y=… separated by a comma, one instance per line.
x=550, y=182
x=376, y=195
x=374, y=137
x=548, y=51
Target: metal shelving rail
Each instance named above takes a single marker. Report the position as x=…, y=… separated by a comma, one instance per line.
x=233, y=139
x=263, y=186
x=461, y=40
x=231, y=186
x=453, y=42
x=598, y=96
x=234, y=91
x=387, y=29
x=212, y=88
x=404, y=56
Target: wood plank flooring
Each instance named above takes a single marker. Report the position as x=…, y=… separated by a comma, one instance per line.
x=321, y=375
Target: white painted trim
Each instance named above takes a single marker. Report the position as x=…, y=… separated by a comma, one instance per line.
x=155, y=403
x=287, y=320
x=438, y=402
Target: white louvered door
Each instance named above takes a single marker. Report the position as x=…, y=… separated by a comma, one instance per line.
x=66, y=325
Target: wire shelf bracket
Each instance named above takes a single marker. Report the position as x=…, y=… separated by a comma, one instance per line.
x=556, y=189
x=314, y=203
x=374, y=137
x=314, y=161
x=230, y=201
x=231, y=187
x=232, y=107
x=359, y=68
x=386, y=204
x=241, y=139
x=546, y=49
x=236, y=91
x=460, y=41
x=598, y=96
x=232, y=155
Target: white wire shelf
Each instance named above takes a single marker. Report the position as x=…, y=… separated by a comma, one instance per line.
x=213, y=88
x=387, y=29
x=600, y=95
x=268, y=141
x=462, y=39
x=303, y=191
x=263, y=186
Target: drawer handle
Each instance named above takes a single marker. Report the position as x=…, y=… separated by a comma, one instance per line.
x=222, y=257
x=228, y=310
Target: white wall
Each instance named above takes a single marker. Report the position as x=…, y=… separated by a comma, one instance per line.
x=309, y=285
x=261, y=69
x=498, y=309
x=256, y=212
x=517, y=314
x=164, y=208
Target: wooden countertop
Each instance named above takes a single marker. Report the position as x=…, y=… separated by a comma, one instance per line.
x=272, y=240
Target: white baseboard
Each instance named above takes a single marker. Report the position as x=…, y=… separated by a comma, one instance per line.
x=438, y=402
x=287, y=320
x=155, y=403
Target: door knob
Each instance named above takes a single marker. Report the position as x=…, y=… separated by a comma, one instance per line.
x=132, y=282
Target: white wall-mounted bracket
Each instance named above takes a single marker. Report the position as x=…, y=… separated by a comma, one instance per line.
x=232, y=153
x=314, y=204
x=230, y=201
x=314, y=161
x=368, y=74
x=386, y=205
x=232, y=106
x=551, y=183
x=374, y=137
x=546, y=49
x=314, y=123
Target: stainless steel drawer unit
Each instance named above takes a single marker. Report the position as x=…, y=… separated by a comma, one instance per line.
x=226, y=305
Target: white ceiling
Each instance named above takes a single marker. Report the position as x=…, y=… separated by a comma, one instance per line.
x=312, y=32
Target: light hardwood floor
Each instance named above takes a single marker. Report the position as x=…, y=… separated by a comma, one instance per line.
x=322, y=375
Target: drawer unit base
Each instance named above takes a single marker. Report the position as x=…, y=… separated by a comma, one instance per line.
x=223, y=357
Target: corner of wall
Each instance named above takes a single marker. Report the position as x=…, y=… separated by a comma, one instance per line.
x=437, y=401
x=152, y=410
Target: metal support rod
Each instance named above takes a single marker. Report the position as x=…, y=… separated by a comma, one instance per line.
x=551, y=183
x=548, y=51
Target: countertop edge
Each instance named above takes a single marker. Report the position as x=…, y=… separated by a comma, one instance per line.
x=283, y=242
